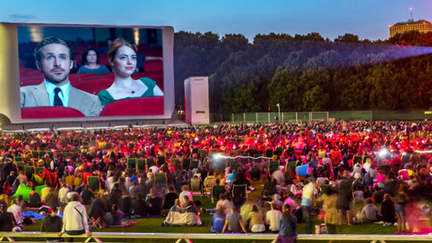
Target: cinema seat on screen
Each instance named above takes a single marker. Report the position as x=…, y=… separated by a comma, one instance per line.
x=90, y=86
x=153, y=66
x=135, y=107
x=49, y=112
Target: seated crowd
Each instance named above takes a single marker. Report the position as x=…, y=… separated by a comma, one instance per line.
x=315, y=168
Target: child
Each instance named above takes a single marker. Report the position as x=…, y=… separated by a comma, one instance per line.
x=401, y=214
x=388, y=210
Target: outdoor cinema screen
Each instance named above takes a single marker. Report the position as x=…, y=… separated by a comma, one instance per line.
x=70, y=72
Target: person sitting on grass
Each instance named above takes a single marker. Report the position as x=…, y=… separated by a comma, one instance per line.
x=234, y=223
x=35, y=200
x=370, y=212
x=219, y=218
x=155, y=203
x=140, y=207
x=255, y=220
x=272, y=218
x=115, y=216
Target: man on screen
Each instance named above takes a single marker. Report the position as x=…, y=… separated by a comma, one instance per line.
x=53, y=58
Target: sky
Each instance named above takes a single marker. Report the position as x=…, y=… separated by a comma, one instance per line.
x=369, y=19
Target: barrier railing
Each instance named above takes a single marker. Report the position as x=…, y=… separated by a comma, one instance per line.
x=97, y=236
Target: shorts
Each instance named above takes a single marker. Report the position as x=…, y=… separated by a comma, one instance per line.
x=400, y=209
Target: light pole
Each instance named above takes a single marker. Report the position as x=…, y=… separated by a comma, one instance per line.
x=278, y=106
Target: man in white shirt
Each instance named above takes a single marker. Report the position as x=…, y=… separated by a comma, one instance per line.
x=63, y=194
x=185, y=192
x=272, y=218
x=16, y=211
x=75, y=218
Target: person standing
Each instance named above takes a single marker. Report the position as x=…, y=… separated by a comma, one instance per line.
x=75, y=219
x=309, y=192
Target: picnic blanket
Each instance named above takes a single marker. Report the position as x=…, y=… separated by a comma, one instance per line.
x=182, y=217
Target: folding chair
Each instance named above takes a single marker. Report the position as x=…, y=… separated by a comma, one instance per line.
x=161, y=160
x=175, y=161
x=161, y=181
x=211, y=182
x=240, y=189
x=150, y=162
x=194, y=164
x=273, y=166
x=131, y=162
x=35, y=154
x=202, y=151
x=196, y=185
x=278, y=151
x=51, y=154
x=291, y=165
x=85, y=144
x=94, y=183
x=39, y=169
x=20, y=166
x=186, y=163
x=217, y=190
x=269, y=152
x=29, y=171
x=42, y=153
x=96, y=223
x=18, y=159
x=141, y=165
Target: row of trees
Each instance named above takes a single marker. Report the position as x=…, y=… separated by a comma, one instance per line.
x=307, y=72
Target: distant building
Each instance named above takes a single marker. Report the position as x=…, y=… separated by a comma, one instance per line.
x=421, y=26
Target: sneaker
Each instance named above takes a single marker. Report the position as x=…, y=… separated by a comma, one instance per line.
x=395, y=224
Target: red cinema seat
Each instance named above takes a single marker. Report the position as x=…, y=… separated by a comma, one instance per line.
x=94, y=76
x=32, y=73
x=153, y=66
x=75, y=77
x=135, y=107
x=50, y=112
x=90, y=86
x=103, y=60
x=77, y=58
x=80, y=48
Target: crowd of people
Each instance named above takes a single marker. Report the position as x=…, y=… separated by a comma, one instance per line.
x=346, y=163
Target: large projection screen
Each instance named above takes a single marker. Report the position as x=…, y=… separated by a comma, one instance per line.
x=21, y=76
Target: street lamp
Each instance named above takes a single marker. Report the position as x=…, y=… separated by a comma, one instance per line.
x=278, y=106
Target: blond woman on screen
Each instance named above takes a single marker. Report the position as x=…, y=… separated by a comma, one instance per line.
x=123, y=58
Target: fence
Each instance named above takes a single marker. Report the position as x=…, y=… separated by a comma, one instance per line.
x=222, y=237
x=368, y=115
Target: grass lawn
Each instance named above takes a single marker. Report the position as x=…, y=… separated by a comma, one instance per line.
x=153, y=225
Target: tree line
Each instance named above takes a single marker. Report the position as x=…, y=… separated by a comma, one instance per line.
x=307, y=72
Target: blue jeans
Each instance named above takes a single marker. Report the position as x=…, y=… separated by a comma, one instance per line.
x=307, y=216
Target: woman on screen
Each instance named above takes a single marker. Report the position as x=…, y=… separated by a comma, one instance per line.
x=123, y=58
x=89, y=63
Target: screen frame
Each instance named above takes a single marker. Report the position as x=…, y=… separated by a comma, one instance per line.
x=9, y=71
